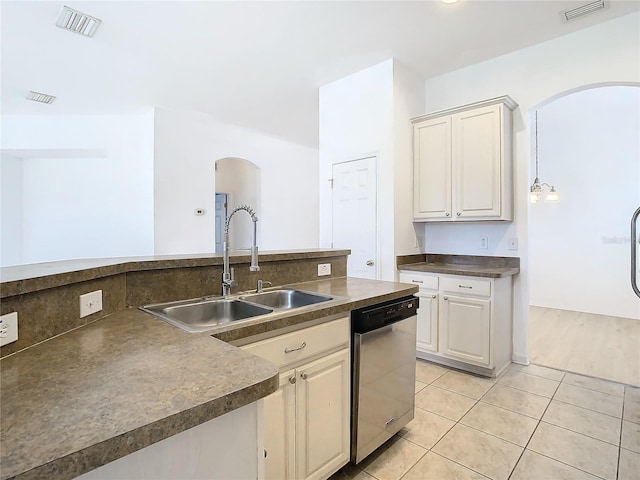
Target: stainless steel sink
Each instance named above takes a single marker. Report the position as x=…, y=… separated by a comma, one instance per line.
x=204, y=314
x=286, y=299
x=200, y=315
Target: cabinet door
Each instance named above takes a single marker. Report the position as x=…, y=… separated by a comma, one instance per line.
x=323, y=416
x=427, y=330
x=279, y=429
x=432, y=169
x=465, y=329
x=477, y=162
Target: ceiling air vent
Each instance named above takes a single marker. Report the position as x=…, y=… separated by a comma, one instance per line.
x=592, y=7
x=77, y=22
x=40, y=97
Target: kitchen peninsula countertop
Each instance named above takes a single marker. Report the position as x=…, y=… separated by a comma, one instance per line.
x=475, y=266
x=97, y=393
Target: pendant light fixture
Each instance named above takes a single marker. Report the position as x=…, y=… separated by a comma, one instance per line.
x=537, y=187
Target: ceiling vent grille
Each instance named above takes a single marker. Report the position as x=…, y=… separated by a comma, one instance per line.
x=578, y=12
x=77, y=22
x=40, y=97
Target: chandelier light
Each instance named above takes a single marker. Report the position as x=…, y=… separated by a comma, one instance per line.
x=537, y=187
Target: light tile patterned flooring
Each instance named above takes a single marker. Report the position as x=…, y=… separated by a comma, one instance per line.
x=532, y=423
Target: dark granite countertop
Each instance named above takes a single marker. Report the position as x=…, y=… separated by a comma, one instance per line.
x=475, y=266
x=39, y=276
x=128, y=380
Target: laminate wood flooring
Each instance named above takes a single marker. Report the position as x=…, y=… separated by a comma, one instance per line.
x=595, y=345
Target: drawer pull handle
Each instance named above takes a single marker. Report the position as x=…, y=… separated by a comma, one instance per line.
x=389, y=422
x=465, y=286
x=417, y=281
x=289, y=350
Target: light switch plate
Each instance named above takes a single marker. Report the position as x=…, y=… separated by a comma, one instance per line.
x=324, y=269
x=90, y=303
x=8, y=328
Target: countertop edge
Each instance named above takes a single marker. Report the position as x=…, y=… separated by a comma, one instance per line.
x=466, y=270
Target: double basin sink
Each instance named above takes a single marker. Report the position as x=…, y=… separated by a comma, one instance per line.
x=209, y=312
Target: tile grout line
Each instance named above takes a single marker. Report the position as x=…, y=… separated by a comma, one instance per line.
x=624, y=393
x=533, y=433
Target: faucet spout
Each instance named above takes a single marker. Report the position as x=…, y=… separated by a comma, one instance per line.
x=227, y=273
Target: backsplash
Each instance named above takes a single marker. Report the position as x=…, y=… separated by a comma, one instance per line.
x=46, y=312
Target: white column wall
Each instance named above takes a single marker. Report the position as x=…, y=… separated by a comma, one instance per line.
x=356, y=121
x=608, y=52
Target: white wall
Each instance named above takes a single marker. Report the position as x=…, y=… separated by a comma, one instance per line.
x=187, y=144
x=366, y=114
x=589, y=149
x=356, y=121
x=10, y=211
x=608, y=52
x=87, y=189
x=408, y=101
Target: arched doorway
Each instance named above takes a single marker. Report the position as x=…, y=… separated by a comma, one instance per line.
x=237, y=182
x=583, y=312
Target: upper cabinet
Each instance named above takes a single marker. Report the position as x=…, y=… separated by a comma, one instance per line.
x=463, y=165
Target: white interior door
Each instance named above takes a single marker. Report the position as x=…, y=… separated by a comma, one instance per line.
x=354, y=215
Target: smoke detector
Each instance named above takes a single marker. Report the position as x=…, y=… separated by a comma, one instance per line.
x=569, y=15
x=40, y=97
x=77, y=22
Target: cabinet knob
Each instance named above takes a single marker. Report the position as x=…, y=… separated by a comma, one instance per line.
x=446, y=298
x=433, y=296
x=292, y=379
x=370, y=263
x=303, y=376
x=448, y=214
x=458, y=214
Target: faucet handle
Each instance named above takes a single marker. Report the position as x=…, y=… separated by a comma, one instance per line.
x=261, y=283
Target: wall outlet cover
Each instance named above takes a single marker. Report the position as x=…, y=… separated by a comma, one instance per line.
x=324, y=269
x=90, y=303
x=8, y=328
x=484, y=242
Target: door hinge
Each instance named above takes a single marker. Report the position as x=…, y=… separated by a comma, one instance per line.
x=331, y=183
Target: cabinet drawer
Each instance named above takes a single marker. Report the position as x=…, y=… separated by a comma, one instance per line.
x=421, y=279
x=303, y=344
x=467, y=286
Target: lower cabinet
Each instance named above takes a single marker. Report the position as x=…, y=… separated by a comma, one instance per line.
x=463, y=321
x=307, y=420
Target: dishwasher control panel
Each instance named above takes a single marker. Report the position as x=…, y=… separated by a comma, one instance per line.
x=379, y=315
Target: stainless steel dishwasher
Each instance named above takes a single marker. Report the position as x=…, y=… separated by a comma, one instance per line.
x=384, y=373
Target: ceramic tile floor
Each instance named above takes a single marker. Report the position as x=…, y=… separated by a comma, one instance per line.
x=532, y=423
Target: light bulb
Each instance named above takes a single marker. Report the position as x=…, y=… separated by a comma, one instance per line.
x=552, y=196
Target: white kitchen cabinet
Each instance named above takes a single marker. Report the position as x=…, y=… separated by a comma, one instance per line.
x=463, y=165
x=465, y=329
x=307, y=420
x=464, y=322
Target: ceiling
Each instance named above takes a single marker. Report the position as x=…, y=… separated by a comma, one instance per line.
x=253, y=64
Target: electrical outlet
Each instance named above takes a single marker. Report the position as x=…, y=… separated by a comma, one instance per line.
x=8, y=328
x=484, y=243
x=90, y=303
x=513, y=243
x=324, y=269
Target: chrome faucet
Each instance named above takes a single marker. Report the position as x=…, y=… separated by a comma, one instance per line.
x=260, y=284
x=227, y=273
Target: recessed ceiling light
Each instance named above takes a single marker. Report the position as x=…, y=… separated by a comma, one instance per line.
x=586, y=9
x=77, y=22
x=40, y=97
